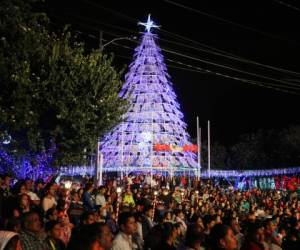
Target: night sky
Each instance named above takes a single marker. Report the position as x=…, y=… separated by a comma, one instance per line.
x=266, y=32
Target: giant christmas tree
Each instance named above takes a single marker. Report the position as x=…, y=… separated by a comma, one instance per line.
x=152, y=135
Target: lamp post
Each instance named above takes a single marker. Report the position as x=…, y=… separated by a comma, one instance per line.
x=154, y=204
x=119, y=190
x=197, y=197
x=101, y=45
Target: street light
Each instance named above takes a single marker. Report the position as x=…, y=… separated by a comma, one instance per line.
x=115, y=39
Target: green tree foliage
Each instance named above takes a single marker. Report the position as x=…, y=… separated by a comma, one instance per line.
x=218, y=154
x=272, y=148
x=52, y=90
x=249, y=152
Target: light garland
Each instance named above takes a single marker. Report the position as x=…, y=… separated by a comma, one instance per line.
x=89, y=170
x=23, y=168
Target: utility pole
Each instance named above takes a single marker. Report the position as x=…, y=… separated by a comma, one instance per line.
x=208, y=151
x=199, y=148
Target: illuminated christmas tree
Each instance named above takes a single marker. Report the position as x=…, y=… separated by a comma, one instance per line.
x=153, y=134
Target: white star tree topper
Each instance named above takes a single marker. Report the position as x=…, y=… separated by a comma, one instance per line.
x=149, y=24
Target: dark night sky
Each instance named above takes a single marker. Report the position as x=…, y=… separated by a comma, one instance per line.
x=233, y=107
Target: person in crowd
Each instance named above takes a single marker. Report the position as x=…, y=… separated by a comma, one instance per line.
x=137, y=237
x=254, y=237
x=96, y=236
x=222, y=237
x=39, y=188
x=6, y=198
x=87, y=218
x=127, y=225
x=209, y=223
x=292, y=241
x=112, y=223
x=51, y=214
x=169, y=235
x=104, y=234
x=180, y=218
x=236, y=228
x=66, y=226
x=13, y=224
x=128, y=199
x=5, y=185
x=23, y=205
x=147, y=222
x=194, y=237
x=29, y=184
x=9, y=241
x=54, y=230
x=76, y=208
x=49, y=201
x=101, y=200
x=87, y=199
x=30, y=235
x=168, y=217
x=271, y=240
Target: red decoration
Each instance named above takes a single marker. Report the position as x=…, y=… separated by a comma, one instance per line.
x=165, y=147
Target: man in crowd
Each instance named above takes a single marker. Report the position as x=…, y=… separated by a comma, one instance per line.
x=123, y=240
x=30, y=235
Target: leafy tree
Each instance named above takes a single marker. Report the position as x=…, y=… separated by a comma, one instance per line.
x=218, y=153
x=249, y=152
x=284, y=149
x=52, y=90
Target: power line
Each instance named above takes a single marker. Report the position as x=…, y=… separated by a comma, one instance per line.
x=236, y=58
x=226, y=21
x=287, y=84
x=168, y=65
x=296, y=86
x=287, y=5
x=214, y=51
x=111, y=11
x=257, y=83
x=226, y=67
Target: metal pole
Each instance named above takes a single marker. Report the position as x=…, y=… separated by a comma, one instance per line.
x=97, y=163
x=122, y=150
x=199, y=148
x=208, y=151
x=100, y=183
x=152, y=128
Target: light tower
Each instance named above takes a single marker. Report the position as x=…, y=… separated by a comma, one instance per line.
x=152, y=135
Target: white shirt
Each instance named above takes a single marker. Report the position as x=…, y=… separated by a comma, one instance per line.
x=100, y=200
x=33, y=196
x=48, y=203
x=122, y=242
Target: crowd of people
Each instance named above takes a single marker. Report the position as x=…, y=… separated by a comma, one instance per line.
x=145, y=212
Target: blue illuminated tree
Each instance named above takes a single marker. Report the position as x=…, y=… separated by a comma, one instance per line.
x=154, y=117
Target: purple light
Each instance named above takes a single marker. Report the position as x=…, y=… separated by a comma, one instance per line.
x=89, y=170
x=24, y=167
x=154, y=116
x=252, y=173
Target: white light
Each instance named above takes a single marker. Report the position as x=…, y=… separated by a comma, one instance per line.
x=68, y=184
x=119, y=190
x=149, y=24
x=7, y=140
x=155, y=193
